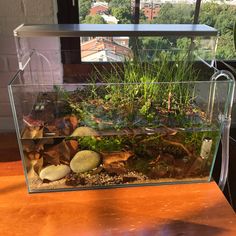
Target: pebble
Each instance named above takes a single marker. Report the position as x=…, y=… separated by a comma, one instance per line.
x=53, y=172
x=85, y=160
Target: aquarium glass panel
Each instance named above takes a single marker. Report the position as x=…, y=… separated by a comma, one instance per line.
x=148, y=129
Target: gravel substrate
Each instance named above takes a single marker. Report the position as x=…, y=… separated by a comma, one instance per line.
x=103, y=179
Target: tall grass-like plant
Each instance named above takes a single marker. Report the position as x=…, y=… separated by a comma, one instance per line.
x=144, y=79
x=138, y=92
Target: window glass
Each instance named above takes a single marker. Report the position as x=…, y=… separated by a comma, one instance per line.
x=222, y=16
x=102, y=49
x=165, y=12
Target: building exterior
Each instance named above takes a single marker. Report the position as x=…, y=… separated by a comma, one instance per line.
x=109, y=19
x=123, y=41
x=103, y=50
x=151, y=11
x=98, y=8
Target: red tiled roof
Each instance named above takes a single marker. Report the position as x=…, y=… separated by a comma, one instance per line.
x=99, y=44
x=98, y=9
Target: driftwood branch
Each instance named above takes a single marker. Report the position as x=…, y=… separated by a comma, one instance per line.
x=177, y=144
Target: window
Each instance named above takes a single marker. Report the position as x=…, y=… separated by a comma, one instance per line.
x=222, y=16
x=104, y=12
x=219, y=14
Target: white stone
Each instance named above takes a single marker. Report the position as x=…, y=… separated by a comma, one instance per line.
x=85, y=160
x=84, y=131
x=53, y=172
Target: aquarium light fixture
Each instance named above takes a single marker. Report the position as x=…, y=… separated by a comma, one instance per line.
x=132, y=30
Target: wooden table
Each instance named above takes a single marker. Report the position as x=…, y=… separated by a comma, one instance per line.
x=178, y=210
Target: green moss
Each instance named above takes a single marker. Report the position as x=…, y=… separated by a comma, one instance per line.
x=101, y=144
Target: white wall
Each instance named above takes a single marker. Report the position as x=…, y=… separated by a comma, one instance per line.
x=12, y=14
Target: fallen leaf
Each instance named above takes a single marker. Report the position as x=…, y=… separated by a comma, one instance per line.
x=57, y=154
x=73, y=147
x=111, y=157
x=38, y=166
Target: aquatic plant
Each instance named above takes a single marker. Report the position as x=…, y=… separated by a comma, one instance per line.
x=137, y=93
x=146, y=80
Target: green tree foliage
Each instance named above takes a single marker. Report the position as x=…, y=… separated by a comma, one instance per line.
x=222, y=17
x=152, y=43
x=122, y=14
x=121, y=10
x=171, y=14
x=96, y=19
x=175, y=14
x=119, y=4
x=84, y=7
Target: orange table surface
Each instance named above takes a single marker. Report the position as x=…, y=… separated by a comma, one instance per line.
x=187, y=209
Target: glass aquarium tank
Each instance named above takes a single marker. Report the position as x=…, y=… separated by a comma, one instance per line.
x=156, y=118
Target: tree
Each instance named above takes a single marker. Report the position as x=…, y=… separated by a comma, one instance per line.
x=152, y=47
x=222, y=17
x=120, y=4
x=84, y=8
x=175, y=14
x=225, y=48
x=122, y=14
x=96, y=19
x=121, y=10
x=209, y=13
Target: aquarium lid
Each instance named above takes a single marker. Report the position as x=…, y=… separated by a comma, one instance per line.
x=79, y=30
